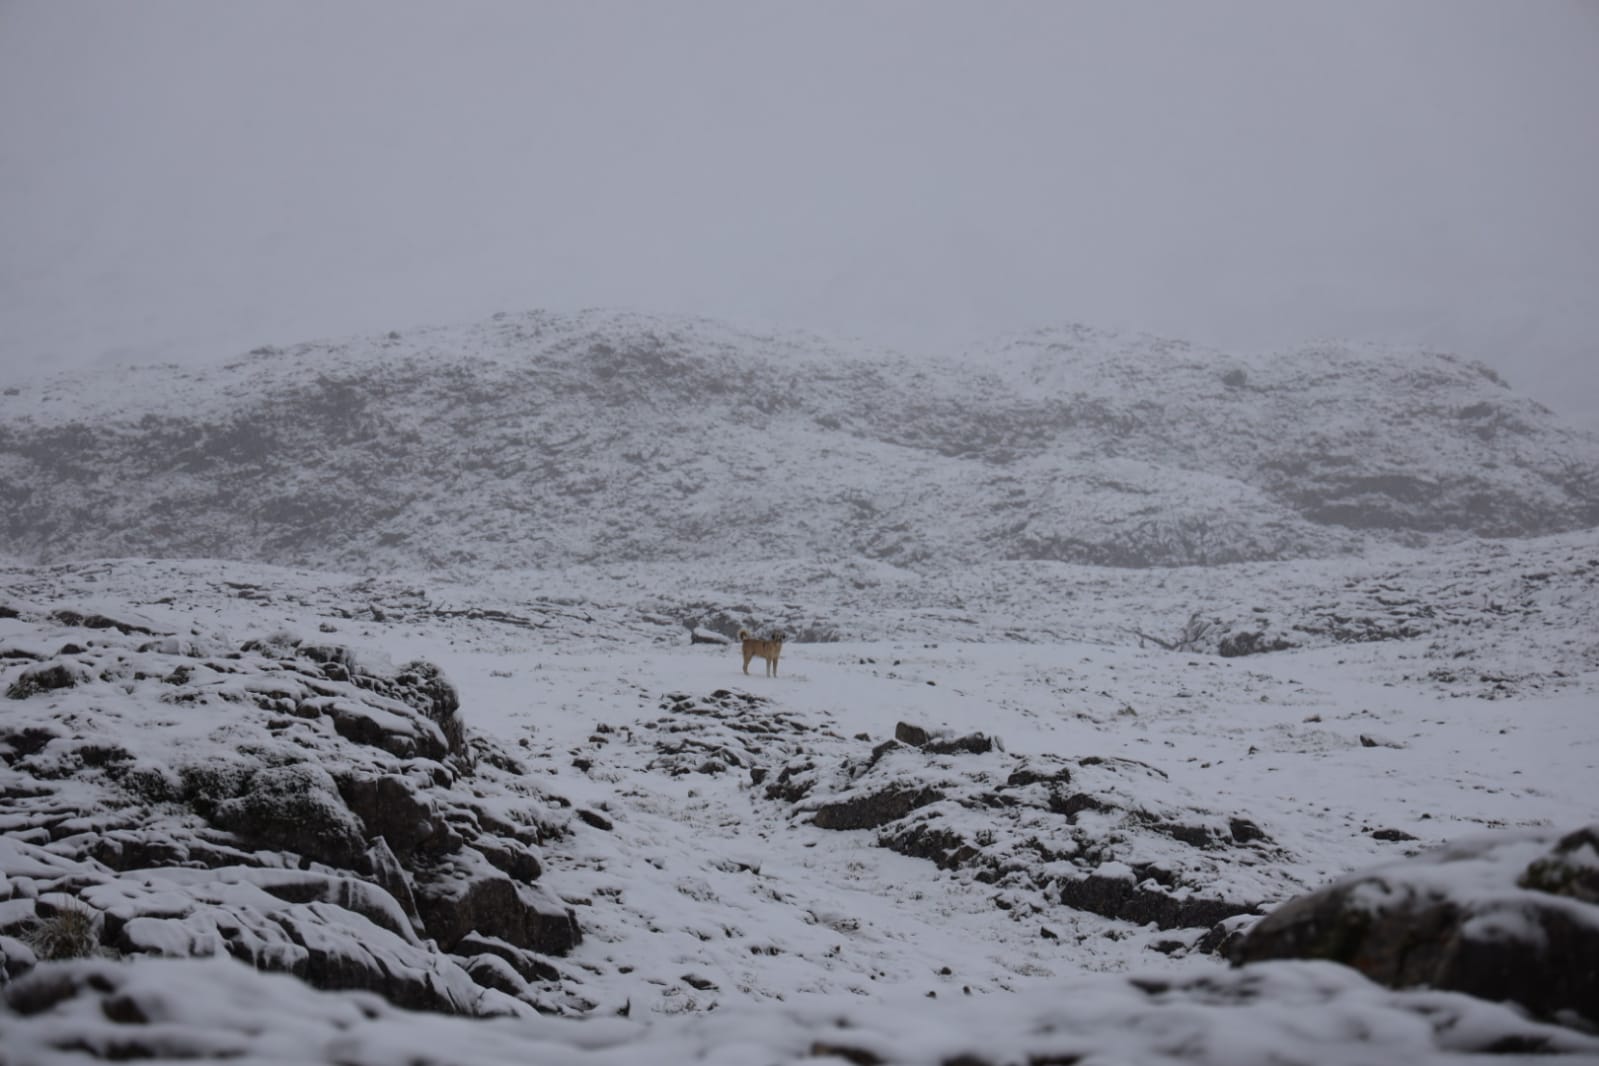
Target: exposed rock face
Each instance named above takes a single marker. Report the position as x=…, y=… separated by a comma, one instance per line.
x=1509, y=917
x=1049, y=447
x=278, y=802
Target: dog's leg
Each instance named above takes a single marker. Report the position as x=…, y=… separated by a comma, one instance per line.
x=747, y=657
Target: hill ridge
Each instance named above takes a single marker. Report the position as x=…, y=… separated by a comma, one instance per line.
x=539, y=439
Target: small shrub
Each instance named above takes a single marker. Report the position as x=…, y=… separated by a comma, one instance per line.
x=66, y=934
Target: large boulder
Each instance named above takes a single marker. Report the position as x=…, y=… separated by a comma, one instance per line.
x=1508, y=917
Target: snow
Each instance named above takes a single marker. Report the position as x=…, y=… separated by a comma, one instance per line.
x=1273, y=1013
x=731, y=929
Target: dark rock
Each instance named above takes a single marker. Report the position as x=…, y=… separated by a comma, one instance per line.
x=393, y=808
x=96, y=620
x=357, y=724
x=1235, y=645
x=1398, y=926
x=1245, y=832
x=512, y=857
x=1124, y=899
x=874, y=809
x=387, y=872
x=1225, y=936
x=491, y=971
x=1391, y=835
x=598, y=820
x=464, y=893
x=26, y=741
x=527, y=965
x=43, y=679
x=793, y=782
x=923, y=840
x=971, y=744
x=298, y=808
x=1027, y=775
x=1571, y=869
x=1195, y=836
x=914, y=735
x=1070, y=805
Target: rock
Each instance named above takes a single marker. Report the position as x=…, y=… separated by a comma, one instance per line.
x=392, y=807
x=917, y=737
x=43, y=679
x=1471, y=917
x=1130, y=901
x=282, y=804
x=914, y=735
x=971, y=744
x=298, y=808
x=1391, y=835
x=1571, y=869
x=528, y=966
x=874, y=809
x=464, y=893
x=1235, y=645
x=16, y=959
x=491, y=971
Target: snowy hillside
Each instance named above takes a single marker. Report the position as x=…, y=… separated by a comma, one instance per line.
x=538, y=440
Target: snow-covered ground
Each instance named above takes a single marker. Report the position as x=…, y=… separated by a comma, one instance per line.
x=699, y=888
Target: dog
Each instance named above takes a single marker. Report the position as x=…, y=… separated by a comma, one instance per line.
x=766, y=649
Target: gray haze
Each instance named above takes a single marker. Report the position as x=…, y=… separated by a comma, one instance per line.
x=187, y=180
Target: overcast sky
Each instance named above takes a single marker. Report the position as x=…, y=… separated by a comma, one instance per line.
x=188, y=180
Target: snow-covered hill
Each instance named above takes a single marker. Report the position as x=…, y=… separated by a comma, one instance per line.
x=542, y=440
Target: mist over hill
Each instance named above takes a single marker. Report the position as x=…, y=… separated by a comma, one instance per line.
x=537, y=440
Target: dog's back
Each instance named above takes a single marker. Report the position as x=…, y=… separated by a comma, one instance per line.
x=766, y=649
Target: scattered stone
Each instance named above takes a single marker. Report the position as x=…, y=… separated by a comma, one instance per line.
x=1393, y=835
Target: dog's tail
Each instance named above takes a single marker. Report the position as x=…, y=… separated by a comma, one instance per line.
x=743, y=634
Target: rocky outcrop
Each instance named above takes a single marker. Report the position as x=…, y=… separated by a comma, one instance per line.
x=1109, y=836
x=277, y=801
x=1509, y=917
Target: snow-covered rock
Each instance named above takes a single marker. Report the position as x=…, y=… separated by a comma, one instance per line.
x=277, y=801
x=1511, y=917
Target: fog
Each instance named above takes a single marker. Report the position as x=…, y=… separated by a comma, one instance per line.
x=185, y=180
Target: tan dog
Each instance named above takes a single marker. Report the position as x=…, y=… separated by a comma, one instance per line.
x=766, y=649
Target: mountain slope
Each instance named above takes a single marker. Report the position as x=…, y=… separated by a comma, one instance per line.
x=540, y=440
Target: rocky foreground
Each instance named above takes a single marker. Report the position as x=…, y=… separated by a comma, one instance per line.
x=193, y=821
x=174, y=795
